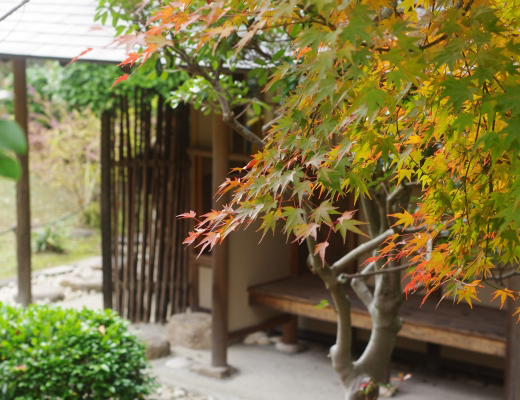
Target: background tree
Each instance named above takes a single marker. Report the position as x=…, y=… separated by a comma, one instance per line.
x=384, y=94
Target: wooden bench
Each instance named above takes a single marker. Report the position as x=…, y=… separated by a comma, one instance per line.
x=481, y=329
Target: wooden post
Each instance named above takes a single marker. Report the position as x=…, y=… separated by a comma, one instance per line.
x=23, y=206
x=106, y=227
x=219, y=306
x=512, y=370
x=290, y=329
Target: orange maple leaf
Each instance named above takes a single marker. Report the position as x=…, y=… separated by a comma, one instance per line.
x=80, y=55
x=191, y=214
x=120, y=79
x=320, y=248
x=131, y=59
x=503, y=294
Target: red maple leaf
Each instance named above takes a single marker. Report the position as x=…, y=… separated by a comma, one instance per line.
x=130, y=59
x=191, y=214
x=320, y=248
x=120, y=79
x=80, y=55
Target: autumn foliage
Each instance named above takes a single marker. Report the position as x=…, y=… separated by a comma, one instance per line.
x=410, y=91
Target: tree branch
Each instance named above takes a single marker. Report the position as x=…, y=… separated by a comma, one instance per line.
x=351, y=256
x=345, y=277
x=360, y=286
x=12, y=10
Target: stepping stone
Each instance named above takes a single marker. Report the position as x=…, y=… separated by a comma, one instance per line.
x=79, y=283
x=44, y=292
x=191, y=330
x=157, y=347
x=178, y=363
x=84, y=278
x=259, y=338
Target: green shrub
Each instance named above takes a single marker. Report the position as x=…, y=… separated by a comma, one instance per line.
x=92, y=216
x=53, y=353
x=51, y=239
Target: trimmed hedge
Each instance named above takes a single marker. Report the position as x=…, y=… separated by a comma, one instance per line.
x=54, y=353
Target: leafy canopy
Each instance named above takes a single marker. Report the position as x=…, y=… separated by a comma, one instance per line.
x=425, y=90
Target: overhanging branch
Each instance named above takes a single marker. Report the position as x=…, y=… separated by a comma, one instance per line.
x=366, y=247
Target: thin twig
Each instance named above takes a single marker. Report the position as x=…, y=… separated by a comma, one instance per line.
x=12, y=10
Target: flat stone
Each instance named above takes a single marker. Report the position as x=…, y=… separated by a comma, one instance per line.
x=178, y=363
x=79, y=283
x=259, y=338
x=290, y=348
x=40, y=293
x=213, y=372
x=156, y=347
x=84, y=278
x=59, y=270
x=191, y=330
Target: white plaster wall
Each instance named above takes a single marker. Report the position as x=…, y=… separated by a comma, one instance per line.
x=252, y=263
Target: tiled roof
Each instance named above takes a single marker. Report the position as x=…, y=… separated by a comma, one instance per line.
x=55, y=29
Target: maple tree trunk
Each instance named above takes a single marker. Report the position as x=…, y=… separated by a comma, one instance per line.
x=361, y=378
x=370, y=367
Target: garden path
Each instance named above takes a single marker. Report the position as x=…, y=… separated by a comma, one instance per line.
x=264, y=373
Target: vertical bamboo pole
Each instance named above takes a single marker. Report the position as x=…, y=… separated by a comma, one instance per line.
x=219, y=307
x=23, y=206
x=106, y=230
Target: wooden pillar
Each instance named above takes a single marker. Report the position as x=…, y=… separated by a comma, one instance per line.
x=196, y=198
x=512, y=370
x=219, y=305
x=106, y=226
x=23, y=207
x=290, y=329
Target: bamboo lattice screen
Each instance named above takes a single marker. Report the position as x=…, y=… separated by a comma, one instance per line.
x=149, y=180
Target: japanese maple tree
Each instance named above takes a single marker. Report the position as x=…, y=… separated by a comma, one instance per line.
x=379, y=97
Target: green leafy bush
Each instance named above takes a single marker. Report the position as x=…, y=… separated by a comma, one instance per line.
x=51, y=238
x=52, y=353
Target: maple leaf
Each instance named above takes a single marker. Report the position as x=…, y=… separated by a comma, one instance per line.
x=467, y=293
x=323, y=212
x=211, y=216
x=210, y=239
x=192, y=236
x=303, y=231
x=190, y=214
x=155, y=30
x=404, y=218
x=120, y=79
x=129, y=41
x=503, y=294
x=320, y=249
x=517, y=312
x=346, y=223
x=88, y=50
x=131, y=59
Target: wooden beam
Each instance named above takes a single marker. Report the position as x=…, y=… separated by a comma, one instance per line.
x=219, y=304
x=106, y=218
x=206, y=153
x=23, y=206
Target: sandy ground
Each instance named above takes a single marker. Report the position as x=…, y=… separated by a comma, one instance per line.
x=266, y=374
